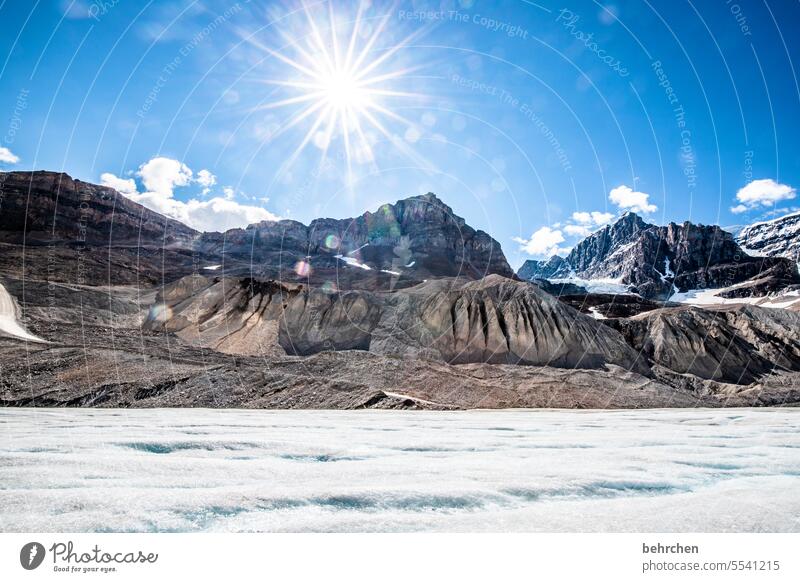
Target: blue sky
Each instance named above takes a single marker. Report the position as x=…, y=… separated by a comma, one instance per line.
x=525, y=117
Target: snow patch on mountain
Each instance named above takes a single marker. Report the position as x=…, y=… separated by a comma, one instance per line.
x=352, y=261
x=8, y=319
x=702, y=297
x=600, y=285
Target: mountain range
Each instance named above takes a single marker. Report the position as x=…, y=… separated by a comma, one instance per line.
x=106, y=303
x=657, y=262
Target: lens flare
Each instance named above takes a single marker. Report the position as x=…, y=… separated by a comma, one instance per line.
x=332, y=241
x=302, y=268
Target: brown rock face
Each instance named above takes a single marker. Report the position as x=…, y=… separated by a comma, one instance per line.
x=74, y=232
x=98, y=355
x=495, y=320
x=732, y=344
x=54, y=206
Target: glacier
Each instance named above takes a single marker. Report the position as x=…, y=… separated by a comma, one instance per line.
x=192, y=470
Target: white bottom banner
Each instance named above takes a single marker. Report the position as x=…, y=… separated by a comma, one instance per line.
x=388, y=557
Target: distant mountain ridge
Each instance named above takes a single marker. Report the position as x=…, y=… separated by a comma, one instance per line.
x=779, y=237
x=120, y=241
x=657, y=261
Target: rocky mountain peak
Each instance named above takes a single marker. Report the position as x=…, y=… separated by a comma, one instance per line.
x=779, y=237
x=627, y=225
x=656, y=261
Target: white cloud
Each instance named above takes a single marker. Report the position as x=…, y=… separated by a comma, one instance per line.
x=628, y=199
x=121, y=185
x=161, y=176
x=219, y=214
x=594, y=217
x=75, y=9
x=739, y=208
x=602, y=218
x=582, y=217
x=577, y=230
x=7, y=157
x=229, y=192
x=544, y=242
x=206, y=179
x=762, y=193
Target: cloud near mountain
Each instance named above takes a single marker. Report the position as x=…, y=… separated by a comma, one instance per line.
x=160, y=177
x=545, y=241
x=7, y=156
x=762, y=193
x=627, y=198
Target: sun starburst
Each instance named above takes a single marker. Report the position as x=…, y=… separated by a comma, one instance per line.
x=341, y=84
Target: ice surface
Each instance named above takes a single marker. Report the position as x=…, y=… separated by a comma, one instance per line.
x=227, y=470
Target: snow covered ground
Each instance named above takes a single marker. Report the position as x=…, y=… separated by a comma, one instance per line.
x=8, y=318
x=227, y=470
x=596, y=285
x=354, y=262
x=709, y=297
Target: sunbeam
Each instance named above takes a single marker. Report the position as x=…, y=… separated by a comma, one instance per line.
x=341, y=87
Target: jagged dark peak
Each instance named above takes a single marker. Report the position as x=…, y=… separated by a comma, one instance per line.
x=429, y=198
x=631, y=222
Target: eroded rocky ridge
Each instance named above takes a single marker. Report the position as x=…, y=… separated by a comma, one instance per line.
x=733, y=344
x=495, y=320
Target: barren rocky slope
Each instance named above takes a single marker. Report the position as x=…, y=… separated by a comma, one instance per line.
x=494, y=320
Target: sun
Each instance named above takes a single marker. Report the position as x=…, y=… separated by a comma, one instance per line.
x=340, y=83
x=342, y=91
